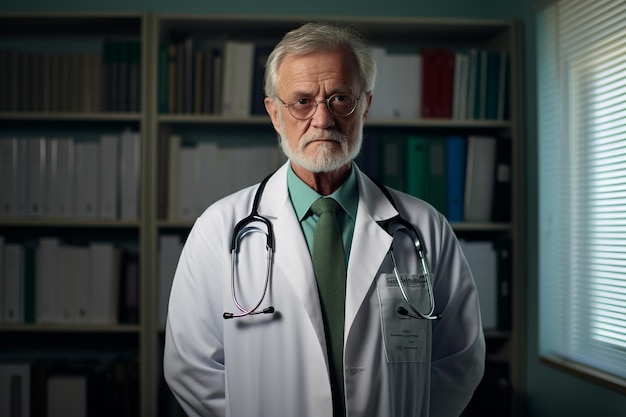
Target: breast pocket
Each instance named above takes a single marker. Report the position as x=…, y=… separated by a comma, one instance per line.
x=405, y=338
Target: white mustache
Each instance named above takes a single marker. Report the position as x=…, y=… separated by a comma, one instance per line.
x=333, y=135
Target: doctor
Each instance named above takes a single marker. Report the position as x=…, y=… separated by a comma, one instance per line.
x=319, y=83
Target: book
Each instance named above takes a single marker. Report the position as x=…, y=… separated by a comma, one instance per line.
x=104, y=270
x=461, y=86
x=503, y=87
x=173, y=144
x=15, y=386
x=172, y=74
x=502, y=177
x=404, y=85
x=162, y=79
x=218, y=71
x=5, y=79
x=122, y=61
x=417, y=179
x=81, y=305
x=187, y=75
x=35, y=174
x=480, y=98
x=109, y=76
x=503, y=248
x=381, y=96
x=50, y=177
x=94, y=94
x=8, y=176
x=430, y=80
x=134, y=76
x=47, y=280
x=86, y=179
x=208, y=89
x=393, y=162
x=66, y=298
x=445, y=68
x=128, y=307
x=13, y=92
x=482, y=260
x=187, y=190
x=107, y=201
x=29, y=283
x=170, y=248
x=21, y=207
x=261, y=53
x=480, y=168
x=198, y=81
x=62, y=184
x=129, y=174
x=13, y=283
x=437, y=173
x=237, y=78
x=473, y=83
x=208, y=175
x=368, y=159
x=456, y=149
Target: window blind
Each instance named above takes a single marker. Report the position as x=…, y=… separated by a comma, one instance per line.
x=582, y=182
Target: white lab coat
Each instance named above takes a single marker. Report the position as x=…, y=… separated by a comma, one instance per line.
x=276, y=365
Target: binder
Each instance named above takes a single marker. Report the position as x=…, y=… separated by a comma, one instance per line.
x=107, y=207
x=502, y=177
x=417, y=167
x=15, y=389
x=503, y=248
x=86, y=184
x=482, y=260
x=456, y=148
x=481, y=162
x=393, y=162
x=436, y=178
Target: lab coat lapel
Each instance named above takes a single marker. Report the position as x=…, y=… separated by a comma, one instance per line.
x=370, y=244
x=292, y=261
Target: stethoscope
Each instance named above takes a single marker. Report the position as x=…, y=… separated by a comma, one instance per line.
x=392, y=226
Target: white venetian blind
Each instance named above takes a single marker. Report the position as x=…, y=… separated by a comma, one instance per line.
x=582, y=182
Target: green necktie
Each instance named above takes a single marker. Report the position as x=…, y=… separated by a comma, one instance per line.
x=329, y=263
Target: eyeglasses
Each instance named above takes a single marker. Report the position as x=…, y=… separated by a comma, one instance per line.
x=340, y=105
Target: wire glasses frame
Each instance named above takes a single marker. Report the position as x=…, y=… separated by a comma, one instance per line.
x=339, y=105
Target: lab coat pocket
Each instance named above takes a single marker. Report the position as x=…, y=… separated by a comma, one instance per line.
x=405, y=337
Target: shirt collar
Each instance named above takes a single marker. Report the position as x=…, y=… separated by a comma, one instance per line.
x=302, y=196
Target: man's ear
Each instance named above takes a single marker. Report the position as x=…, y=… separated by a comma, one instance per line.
x=368, y=103
x=272, y=110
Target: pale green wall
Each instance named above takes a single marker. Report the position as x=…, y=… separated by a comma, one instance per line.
x=549, y=393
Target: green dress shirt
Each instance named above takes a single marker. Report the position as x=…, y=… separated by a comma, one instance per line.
x=302, y=196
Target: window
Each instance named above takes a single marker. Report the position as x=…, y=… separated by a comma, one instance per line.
x=582, y=184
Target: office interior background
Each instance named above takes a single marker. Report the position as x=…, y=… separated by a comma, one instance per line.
x=547, y=391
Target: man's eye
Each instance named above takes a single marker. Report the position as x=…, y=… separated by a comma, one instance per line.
x=303, y=102
x=340, y=98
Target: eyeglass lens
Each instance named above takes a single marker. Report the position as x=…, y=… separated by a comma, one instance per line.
x=338, y=105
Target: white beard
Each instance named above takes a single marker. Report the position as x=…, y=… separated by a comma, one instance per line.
x=326, y=159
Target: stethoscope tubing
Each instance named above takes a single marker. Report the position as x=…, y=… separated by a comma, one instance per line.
x=391, y=226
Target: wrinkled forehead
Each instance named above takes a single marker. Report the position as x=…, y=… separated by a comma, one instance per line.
x=335, y=69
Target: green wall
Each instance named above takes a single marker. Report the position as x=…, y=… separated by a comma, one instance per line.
x=443, y=8
x=549, y=393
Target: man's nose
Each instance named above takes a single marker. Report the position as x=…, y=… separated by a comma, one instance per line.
x=322, y=118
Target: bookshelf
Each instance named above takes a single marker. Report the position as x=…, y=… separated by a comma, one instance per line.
x=176, y=120
x=59, y=97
